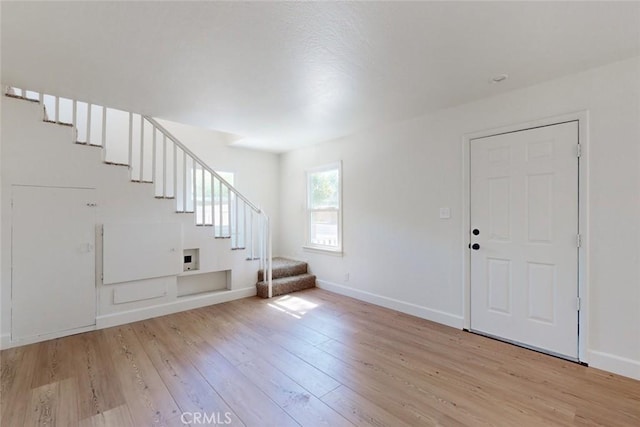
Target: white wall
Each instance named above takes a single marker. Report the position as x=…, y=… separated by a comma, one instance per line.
x=396, y=177
x=38, y=153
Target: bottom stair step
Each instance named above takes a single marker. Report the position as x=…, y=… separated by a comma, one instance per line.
x=286, y=285
x=284, y=267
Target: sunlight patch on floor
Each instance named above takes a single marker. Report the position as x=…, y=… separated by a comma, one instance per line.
x=292, y=305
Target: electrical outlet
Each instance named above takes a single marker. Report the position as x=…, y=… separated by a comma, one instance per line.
x=346, y=277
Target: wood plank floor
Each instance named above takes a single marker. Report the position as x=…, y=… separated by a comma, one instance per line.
x=311, y=358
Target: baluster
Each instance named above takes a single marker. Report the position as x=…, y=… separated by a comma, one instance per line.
x=184, y=181
x=269, y=250
x=130, y=143
x=104, y=133
x=57, y=107
x=251, y=233
x=164, y=165
x=204, y=218
x=228, y=210
x=262, y=245
x=153, y=158
x=175, y=171
x=89, y=123
x=74, y=119
x=213, y=206
x=193, y=185
x=236, y=227
x=220, y=206
x=244, y=225
x=141, y=148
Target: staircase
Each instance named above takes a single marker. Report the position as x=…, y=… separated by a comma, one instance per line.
x=154, y=156
x=287, y=276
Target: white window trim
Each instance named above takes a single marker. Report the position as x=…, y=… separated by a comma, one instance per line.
x=308, y=246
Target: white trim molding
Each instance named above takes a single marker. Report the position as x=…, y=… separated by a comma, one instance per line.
x=181, y=304
x=5, y=341
x=8, y=343
x=616, y=364
x=433, y=315
x=124, y=317
x=582, y=117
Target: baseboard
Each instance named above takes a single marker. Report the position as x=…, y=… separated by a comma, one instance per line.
x=5, y=341
x=616, y=364
x=181, y=304
x=394, y=304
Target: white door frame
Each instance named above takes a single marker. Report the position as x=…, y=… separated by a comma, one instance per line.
x=583, y=203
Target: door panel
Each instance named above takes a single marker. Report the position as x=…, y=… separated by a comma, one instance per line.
x=524, y=202
x=53, y=260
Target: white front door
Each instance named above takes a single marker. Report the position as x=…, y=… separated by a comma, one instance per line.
x=52, y=260
x=524, y=232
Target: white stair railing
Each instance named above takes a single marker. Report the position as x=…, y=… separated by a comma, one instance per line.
x=154, y=155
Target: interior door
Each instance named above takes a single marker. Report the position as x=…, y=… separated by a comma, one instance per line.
x=52, y=260
x=524, y=232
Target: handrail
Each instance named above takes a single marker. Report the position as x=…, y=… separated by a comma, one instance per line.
x=175, y=140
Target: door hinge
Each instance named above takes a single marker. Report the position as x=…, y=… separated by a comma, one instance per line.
x=579, y=150
x=579, y=240
x=578, y=303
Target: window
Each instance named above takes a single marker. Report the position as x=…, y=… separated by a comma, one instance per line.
x=221, y=201
x=324, y=204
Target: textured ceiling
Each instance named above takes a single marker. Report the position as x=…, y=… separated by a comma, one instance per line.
x=282, y=75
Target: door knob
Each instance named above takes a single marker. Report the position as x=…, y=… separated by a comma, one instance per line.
x=475, y=231
x=475, y=246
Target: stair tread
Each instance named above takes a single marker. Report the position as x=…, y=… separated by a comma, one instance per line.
x=53, y=122
x=115, y=164
x=24, y=98
x=86, y=144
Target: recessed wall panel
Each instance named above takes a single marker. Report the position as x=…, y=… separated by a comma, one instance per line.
x=539, y=150
x=539, y=208
x=499, y=154
x=541, y=285
x=499, y=209
x=499, y=285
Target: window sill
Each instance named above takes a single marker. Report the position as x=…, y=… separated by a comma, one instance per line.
x=332, y=252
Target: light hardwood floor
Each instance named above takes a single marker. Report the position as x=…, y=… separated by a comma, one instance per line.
x=311, y=358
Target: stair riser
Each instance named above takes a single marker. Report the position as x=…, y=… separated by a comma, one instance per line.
x=286, y=288
x=281, y=272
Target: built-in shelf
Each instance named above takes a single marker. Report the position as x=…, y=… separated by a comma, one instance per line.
x=194, y=273
x=203, y=293
x=196, y=282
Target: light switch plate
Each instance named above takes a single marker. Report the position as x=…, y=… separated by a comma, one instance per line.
x=445, y=213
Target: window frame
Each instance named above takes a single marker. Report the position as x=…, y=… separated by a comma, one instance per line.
x=315, y=247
